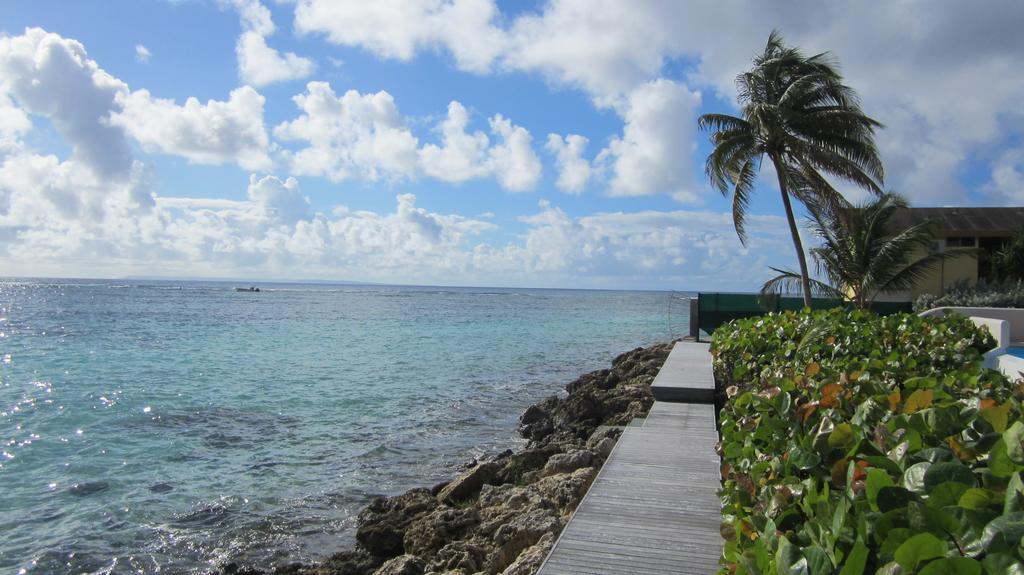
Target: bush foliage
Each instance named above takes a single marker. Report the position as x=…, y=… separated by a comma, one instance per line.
x=1008, y=293
x=853, y=443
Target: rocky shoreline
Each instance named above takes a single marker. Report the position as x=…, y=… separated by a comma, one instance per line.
x=503, y=514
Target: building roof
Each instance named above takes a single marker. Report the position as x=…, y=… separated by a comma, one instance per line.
x=983, y=222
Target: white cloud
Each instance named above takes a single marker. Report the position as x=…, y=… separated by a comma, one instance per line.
x=142, y=53
x=464, y=155
x=573, y=169
x=364, y=136
x=254, y=15
x=279, y=200
x=14, y=123
x=259, y=64
x=654, y=153
x=351, y=136
x=1007, y=177
x=51, y=76
x=274, y=232
x=513, y=161
x=217, y=132
x=944, y=80
x=397, y=28
x=461, y=156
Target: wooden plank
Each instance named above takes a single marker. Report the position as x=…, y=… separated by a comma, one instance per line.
x=653, y=508
x=686, y=375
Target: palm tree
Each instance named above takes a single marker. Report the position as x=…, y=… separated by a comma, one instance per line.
x=798, y=113
x=861, y=255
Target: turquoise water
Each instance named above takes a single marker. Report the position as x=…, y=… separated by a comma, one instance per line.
x=1016, y=352
x=162, y=426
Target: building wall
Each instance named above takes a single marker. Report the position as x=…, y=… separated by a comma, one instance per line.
x=952, y=271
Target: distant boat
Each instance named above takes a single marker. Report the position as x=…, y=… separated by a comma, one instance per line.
x=253, y=289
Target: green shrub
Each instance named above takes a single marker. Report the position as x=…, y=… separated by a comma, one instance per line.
x=998, y=294
x=856, y=443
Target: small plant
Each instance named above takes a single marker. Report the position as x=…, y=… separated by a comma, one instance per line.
x=1009, y=293
x=853, y=443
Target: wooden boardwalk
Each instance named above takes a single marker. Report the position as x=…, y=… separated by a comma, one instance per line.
x=654, y=507
x=686, y=376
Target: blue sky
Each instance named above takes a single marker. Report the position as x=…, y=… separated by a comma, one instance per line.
x=417, y=141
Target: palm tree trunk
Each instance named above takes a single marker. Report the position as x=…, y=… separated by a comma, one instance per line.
x=805, y=279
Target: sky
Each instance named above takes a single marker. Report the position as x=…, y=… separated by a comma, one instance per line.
x=458, y=142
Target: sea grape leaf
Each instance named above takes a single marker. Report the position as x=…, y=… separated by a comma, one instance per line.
x=1014, y=500
x=818, y=562
x=935, y=455
x=894, y=497
x=918, y=548
x=948, y=471
x=885, y=463
x=789, y=560
x=977, y=498
x=1002, y=564
x=999, y=462
x=913, y=477
x=877, y=479
x=1014, y=438
x=996, y=416
x=920, y=399
x=857, y=559
x=842, y=436
x=945, y=494
x=892, y=540
x=1010, y=528
x=952, y=566
x=892, y=568
x=804, y=459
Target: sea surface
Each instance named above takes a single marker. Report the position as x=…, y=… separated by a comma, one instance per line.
x=159, y=426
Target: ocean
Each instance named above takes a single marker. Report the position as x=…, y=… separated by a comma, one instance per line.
x=162, y=426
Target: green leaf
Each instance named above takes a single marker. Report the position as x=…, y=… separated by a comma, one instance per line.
x=948, y=471
x=946, y=494
x=1014, y=500
x=996, y=416
x=893, y=497
x=857, y=559
x=818, y=562
x=877, y=479
x=999, y=462
x=977, y=498
x=918, y=548
x=1009, y=528
x=913, y=477
x=789, y=560
x=952, y=566
x=842, y=436
x=1002, y=564
x=892, y=541
x=1014, y=437
x=804, y=459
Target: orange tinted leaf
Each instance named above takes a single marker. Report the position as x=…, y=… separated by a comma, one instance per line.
x=961, y=452
x=830, y=395
x=830, y=339
x=812, y=369
x=806, y=410
x=987, y=402
x=920, y=399
x=894, y=400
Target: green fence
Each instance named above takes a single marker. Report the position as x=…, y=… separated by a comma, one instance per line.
x=714, y=309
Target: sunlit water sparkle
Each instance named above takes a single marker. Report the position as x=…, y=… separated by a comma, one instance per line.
x=170, y=426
